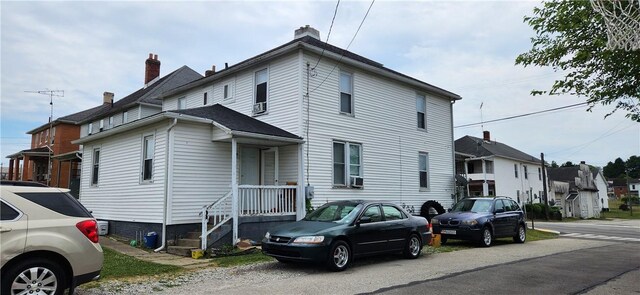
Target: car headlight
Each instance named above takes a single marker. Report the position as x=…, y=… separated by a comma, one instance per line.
x=470, y=222
x=267, y=235
x=309, y=240
x=435, y=221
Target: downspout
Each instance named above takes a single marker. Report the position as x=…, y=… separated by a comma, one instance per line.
x=166, y=186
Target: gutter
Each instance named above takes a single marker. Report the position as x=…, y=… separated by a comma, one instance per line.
x=167, y=178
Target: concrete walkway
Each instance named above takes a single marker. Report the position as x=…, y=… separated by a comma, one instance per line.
x=161, y=257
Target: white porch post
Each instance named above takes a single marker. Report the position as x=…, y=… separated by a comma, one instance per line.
x=485, y=185
x=300, y=195
x=234, y=188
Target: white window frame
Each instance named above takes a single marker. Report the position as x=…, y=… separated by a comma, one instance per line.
x=110, y=121
x=423, y=112
x=227, y=91
x=125, y=117
x=144, y=157
x=426, y=170
x=346, y=162
x=351, y=76
x=90, y=128
x=255, y=91
x=101, y=124
x=182, y=103
x=95, y=167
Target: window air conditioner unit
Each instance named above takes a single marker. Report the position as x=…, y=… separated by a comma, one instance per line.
x=357, y=181
x=259, y=107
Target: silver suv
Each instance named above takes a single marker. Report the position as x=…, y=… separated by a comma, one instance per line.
x=48, y=241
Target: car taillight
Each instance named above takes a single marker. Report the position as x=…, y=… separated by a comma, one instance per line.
x=89, y=229
x=430, y=227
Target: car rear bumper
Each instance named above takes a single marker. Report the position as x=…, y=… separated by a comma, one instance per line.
x=426, y=237
x=88, y=277
x=302, y=252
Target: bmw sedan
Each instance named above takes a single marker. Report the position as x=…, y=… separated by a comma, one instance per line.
x=338, y=232
x=482, y=220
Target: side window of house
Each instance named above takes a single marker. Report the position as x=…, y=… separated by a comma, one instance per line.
x=539, y=173
x=515, y=170
x=524, y=172
x=125, y=117
x=96, y=166
x=347, y=162
x=226, y=91
x=101, y=124
x=260, y=102
x=110, y=121
x=90, y=128
x=423, y=168
x=182, y=103
x=421, y=109
x=346, y=93
x=204, y=99
x=147, y=158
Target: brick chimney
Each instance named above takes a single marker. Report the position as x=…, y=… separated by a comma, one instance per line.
x=486, y=135
x=107, y=97
x=152, y=68
x=306, y=31
x=208, y=73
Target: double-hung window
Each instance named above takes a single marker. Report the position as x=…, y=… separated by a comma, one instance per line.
x=526, y=175
x=347, y=162
x=95, y=166
x=346, y=93
x=515, y=170
x=421, y=109
x=423, y=170
x=260, y=103
x=147, y=158
x=182, y=103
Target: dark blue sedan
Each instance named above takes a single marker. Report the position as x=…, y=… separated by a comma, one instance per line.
x=482, y=220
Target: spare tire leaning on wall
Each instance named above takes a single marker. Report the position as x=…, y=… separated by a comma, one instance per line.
x=430, y=209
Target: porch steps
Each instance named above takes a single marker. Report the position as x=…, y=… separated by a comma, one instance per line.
x=192, y=241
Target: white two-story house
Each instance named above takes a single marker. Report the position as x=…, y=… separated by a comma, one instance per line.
x=495, y=169
x=247, y=145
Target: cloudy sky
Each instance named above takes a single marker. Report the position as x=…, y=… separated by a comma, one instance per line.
x=467, y=47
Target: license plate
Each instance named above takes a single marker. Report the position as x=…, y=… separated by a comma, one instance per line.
x=448, y=231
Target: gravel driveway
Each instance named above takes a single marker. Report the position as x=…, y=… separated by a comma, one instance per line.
x=365, y=275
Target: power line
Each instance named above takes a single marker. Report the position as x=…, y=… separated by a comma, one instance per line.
x=523, y=115
x=345, y=50
x=335, y=12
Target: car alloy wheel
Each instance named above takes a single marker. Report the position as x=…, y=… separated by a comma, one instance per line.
x=521, y=236
x=35, y=276
x=339, y=256
x=487, y=237
x=413, y=248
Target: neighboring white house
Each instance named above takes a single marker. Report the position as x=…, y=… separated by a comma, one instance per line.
x=580, y=197
x=492, y=168
x=305, y=117
x=634, y=186
x=603, y=188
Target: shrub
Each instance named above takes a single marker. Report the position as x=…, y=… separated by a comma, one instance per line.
x=624, y=207
x=634, y=200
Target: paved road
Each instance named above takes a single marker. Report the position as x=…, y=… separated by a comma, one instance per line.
x=574, y=272
x=616, y=230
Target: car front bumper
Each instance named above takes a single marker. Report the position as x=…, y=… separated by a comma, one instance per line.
x=297, y=252
x=461, y=232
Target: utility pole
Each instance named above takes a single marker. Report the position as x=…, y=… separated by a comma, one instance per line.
x=51, y=94
x=544, y=187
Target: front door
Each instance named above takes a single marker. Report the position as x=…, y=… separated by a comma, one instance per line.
x=269, y=164
x=250, y=166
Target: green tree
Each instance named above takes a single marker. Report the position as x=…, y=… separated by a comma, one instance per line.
x=633, y=167
x=614, y=169
x=571, y=37
x=554, y=164
x=568, y=164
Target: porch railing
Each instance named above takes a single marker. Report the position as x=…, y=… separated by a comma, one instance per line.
x=217, y=214
x=266, y=200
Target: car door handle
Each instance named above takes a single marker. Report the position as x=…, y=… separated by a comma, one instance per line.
x=4, y=229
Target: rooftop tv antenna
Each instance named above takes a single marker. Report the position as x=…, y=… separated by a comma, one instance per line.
x=51, y=94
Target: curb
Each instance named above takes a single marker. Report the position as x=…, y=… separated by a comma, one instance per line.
x=546, y=230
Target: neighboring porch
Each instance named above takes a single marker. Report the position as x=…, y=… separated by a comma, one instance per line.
x=35, y=165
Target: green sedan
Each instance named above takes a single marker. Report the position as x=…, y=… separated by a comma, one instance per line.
x=338, y=232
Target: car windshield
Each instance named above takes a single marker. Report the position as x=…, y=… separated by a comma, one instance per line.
x=335, y=212
x=472, y=206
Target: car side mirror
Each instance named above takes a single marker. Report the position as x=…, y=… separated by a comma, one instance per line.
x=449, y=210
x=364, y=219
x=499, y=211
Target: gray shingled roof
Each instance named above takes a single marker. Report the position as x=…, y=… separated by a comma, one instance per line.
x=235, y=121
x=148, y=95
x=480, y=148
x=321, y=45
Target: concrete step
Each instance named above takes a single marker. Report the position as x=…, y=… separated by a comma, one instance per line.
x=180, y=250
x=193, y=235
x=195, y=243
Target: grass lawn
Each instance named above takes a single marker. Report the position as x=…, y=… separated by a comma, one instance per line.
x=228, y=261
x=455, y=245
x=614, y=212
x=117, y=265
